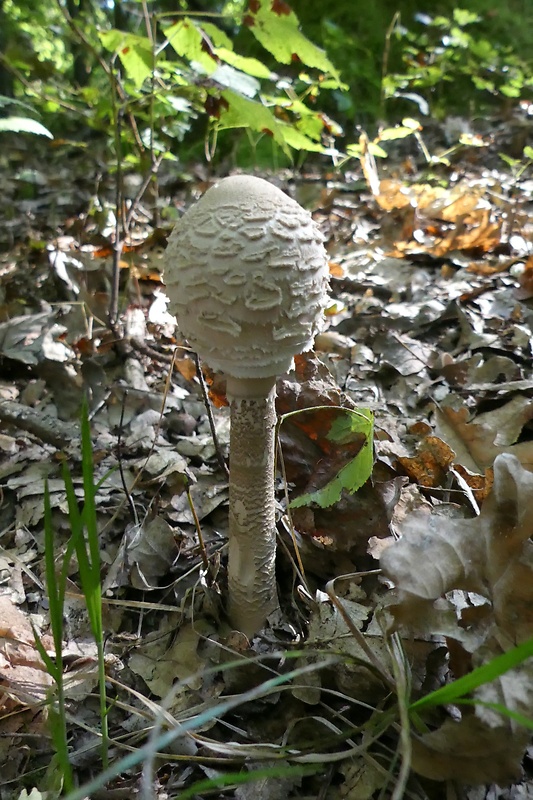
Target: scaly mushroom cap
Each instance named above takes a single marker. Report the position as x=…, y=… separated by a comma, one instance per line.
x=247, y=277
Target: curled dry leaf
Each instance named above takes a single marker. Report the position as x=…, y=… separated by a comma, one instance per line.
x=430, y=466
x=23, y=677
x=470, y=752
x=476, y=443
x=491, y=556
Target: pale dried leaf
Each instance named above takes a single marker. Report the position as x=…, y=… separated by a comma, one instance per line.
x=476, y=443
x=151, y=551
x=22, y=673
x=267, y=788
x=491, y=556
x=470, y=752
x=161, y=664
x=362, y=778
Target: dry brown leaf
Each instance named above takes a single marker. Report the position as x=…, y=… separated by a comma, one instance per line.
x=491, y=556
x=22, y=673
x=430, y=466
x=460, y=219
x=484, y=237
x=525, y=290
x=392, y=195
x=476, y=443
x=480, y=485
x=469, y=752
x=186, y=367
x=395, y=194
x=458, y=207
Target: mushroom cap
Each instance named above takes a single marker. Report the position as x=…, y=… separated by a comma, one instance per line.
x=247, y=277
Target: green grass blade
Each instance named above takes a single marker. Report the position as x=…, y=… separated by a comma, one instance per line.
x=88, y=549
x=55, y=589
x=58, y=729
x=483, y=674
x=75, y=521
x=50, y=664
x=88, y=553
x=90, y=583
x=55, y=596
x=89, y=490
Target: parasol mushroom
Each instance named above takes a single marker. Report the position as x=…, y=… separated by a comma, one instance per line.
x=247, y=276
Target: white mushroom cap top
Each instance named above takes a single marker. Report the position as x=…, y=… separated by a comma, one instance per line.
x=247, y=276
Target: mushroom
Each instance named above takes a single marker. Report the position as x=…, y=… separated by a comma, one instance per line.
x=247, y=277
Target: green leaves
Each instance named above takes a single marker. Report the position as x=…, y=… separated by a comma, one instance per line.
x=452, y=50
x=464, y=17
x=276, y=27
x=186, y=39
x=229, y=86
x=347, y=430
x=240, y=112
x=135, y=53
x=23, y=125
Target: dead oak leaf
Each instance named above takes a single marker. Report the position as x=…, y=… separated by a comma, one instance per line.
x=23, y=677
x=477, y=442
x=492, y=556
x=469, y=752
x=430, y=466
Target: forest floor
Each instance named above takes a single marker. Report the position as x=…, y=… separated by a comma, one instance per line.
x=430, y=327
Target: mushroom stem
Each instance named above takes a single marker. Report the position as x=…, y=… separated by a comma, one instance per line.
x=252, y=523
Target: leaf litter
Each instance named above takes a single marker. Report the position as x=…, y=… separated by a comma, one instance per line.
x=430, y=328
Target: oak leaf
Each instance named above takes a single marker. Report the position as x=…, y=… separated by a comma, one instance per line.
x=438, y=560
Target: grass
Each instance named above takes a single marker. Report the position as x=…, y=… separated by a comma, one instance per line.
x=84, y=543
x=398, y=716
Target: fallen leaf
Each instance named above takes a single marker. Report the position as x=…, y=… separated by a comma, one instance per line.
x=469, y=752
x=491, y=556
x=430, y=466
x=477, y=442
x=23, y=676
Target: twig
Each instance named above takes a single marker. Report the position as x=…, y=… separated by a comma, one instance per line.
x=52, y=431
x=385, y=62
x=218, y=450
x=201, y=540
x=144, y=185
x=140, y=345
x=385, y=676
x=120, y=464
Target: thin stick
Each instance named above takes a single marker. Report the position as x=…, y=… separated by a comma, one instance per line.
x=209, y=410
x=356, y=633
x=201, y=540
